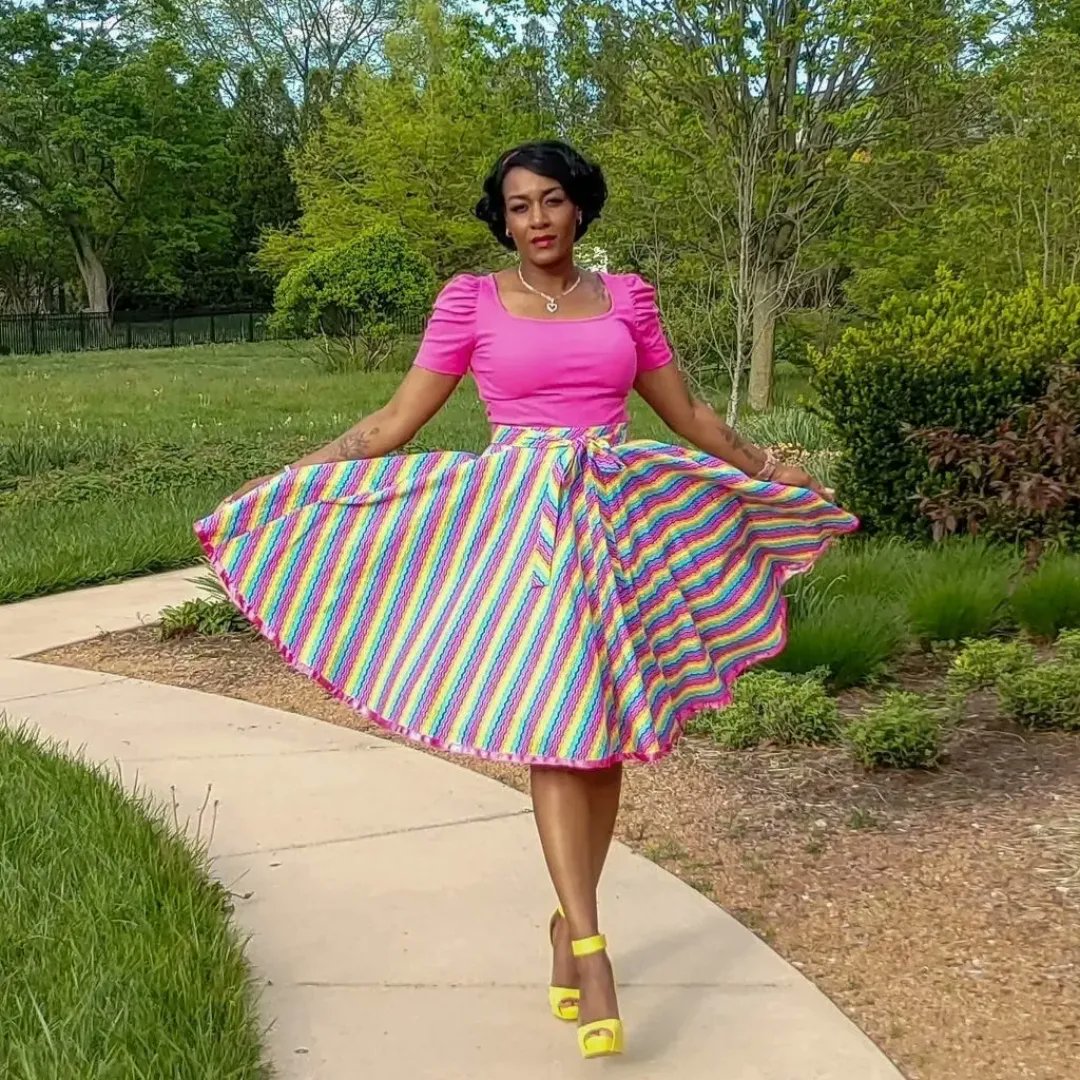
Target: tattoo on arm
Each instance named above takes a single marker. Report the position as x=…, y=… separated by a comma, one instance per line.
x=356, y=443
x=724, y=442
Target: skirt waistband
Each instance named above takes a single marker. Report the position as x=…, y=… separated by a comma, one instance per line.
x=557, y=437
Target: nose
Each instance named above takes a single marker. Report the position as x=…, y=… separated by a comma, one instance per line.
x=538, y=216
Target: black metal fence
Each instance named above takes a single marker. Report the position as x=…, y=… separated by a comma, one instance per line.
x=21, y=334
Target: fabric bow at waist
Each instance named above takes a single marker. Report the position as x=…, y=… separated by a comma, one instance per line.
x=575, y=453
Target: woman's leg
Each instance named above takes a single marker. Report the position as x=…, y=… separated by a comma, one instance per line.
x=575, y=815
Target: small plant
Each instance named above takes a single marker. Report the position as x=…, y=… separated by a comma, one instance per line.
x=208, y=618
x=982, y=664
x=959, y=590
x=901, y=733
x=1046, y=696
x=1048, y=601
x=850, y=637
x=1068, y=645
x=773, y=707
x=861, y=818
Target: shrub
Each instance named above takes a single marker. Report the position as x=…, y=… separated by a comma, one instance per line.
x=1068, y=645
x=959, y=590
x=202, y=616
x=1048, y=601
x=1022, y=483
x=776, y=708
x=851, y=638
x=952, y=357
x=982, y=664
x=1045, y=696
x=357, y=297
x=902, y=733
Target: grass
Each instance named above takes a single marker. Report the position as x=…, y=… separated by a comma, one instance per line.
x=1048, y=601
x=117, y=957
x=960, y=590
x=107, y=458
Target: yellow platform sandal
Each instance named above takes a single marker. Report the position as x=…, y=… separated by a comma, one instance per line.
x=598, y=1038
x=562, y=999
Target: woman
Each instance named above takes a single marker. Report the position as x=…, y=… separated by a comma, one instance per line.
x=566, y=600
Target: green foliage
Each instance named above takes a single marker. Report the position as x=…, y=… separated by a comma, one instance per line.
x=118, y=146
x=118, y=952
x=788, y=426
x=951, y=357
x=852, y=638
x=959, y=590
x=358, y=297
x=1046, y=696
x=981, y=665
x=902, y=733
x=1048, y=600
x=203, y=616
x=770, y=707
x=996, y=209
x=1068, y=645
x=408, y=141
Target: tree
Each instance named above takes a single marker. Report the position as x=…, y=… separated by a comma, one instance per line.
x=263, y=195
x=33, y=264
x=315, y=43
x=407, y=147
x=741, y=118
x=119, y=148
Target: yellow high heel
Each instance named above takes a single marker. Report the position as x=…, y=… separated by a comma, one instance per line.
x=598, y=1038
x=562, y=999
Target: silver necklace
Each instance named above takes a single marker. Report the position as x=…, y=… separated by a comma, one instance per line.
x=552, y=301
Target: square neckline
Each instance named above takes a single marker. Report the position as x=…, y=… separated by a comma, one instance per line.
x=540, y=318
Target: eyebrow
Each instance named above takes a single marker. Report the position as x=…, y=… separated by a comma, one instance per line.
x=544, y=194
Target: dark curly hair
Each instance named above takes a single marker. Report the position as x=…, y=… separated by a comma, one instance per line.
x=582, y=181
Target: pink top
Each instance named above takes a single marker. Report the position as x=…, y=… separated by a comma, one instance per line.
x=546, y=372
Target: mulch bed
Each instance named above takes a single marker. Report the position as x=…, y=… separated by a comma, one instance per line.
x=940, y=910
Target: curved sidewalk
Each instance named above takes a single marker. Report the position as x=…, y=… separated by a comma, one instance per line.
x=397, y=904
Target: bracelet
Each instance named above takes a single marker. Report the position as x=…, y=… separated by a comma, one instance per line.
x=768, y=470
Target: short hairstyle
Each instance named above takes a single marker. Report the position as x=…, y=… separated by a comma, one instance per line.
x=582, y=181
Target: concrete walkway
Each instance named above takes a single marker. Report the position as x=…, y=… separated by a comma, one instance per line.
x=397, y=904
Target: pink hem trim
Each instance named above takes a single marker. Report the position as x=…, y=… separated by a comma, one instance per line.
x=682, y=718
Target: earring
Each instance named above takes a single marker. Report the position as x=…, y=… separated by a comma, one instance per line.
x=580, y=217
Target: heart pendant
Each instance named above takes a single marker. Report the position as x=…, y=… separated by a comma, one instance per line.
x=552, y=306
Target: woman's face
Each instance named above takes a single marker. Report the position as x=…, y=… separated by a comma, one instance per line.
x=541, y=218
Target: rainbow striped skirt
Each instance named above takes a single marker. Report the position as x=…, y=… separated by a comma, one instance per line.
x=565, y=598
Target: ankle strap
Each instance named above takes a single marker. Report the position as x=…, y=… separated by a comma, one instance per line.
x=588, y=946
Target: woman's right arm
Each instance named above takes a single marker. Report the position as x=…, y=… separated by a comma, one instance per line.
x=442, y=361
x=420, y=396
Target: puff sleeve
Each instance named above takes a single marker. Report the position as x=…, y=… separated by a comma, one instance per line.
x=653, y=349
x=450, y=337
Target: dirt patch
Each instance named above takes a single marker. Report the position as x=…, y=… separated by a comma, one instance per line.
x=940, y=910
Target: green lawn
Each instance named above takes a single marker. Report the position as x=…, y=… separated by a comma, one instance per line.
x=117, y=957
x=107, y=458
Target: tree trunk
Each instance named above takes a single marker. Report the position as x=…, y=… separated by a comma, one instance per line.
x=95, y=280
x=762, y=348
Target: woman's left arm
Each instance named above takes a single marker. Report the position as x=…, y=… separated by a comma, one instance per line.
x=666, y=392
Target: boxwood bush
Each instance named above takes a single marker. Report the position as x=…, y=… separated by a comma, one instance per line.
x=951, y=357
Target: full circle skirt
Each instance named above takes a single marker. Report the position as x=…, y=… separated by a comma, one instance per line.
x=565, y=598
